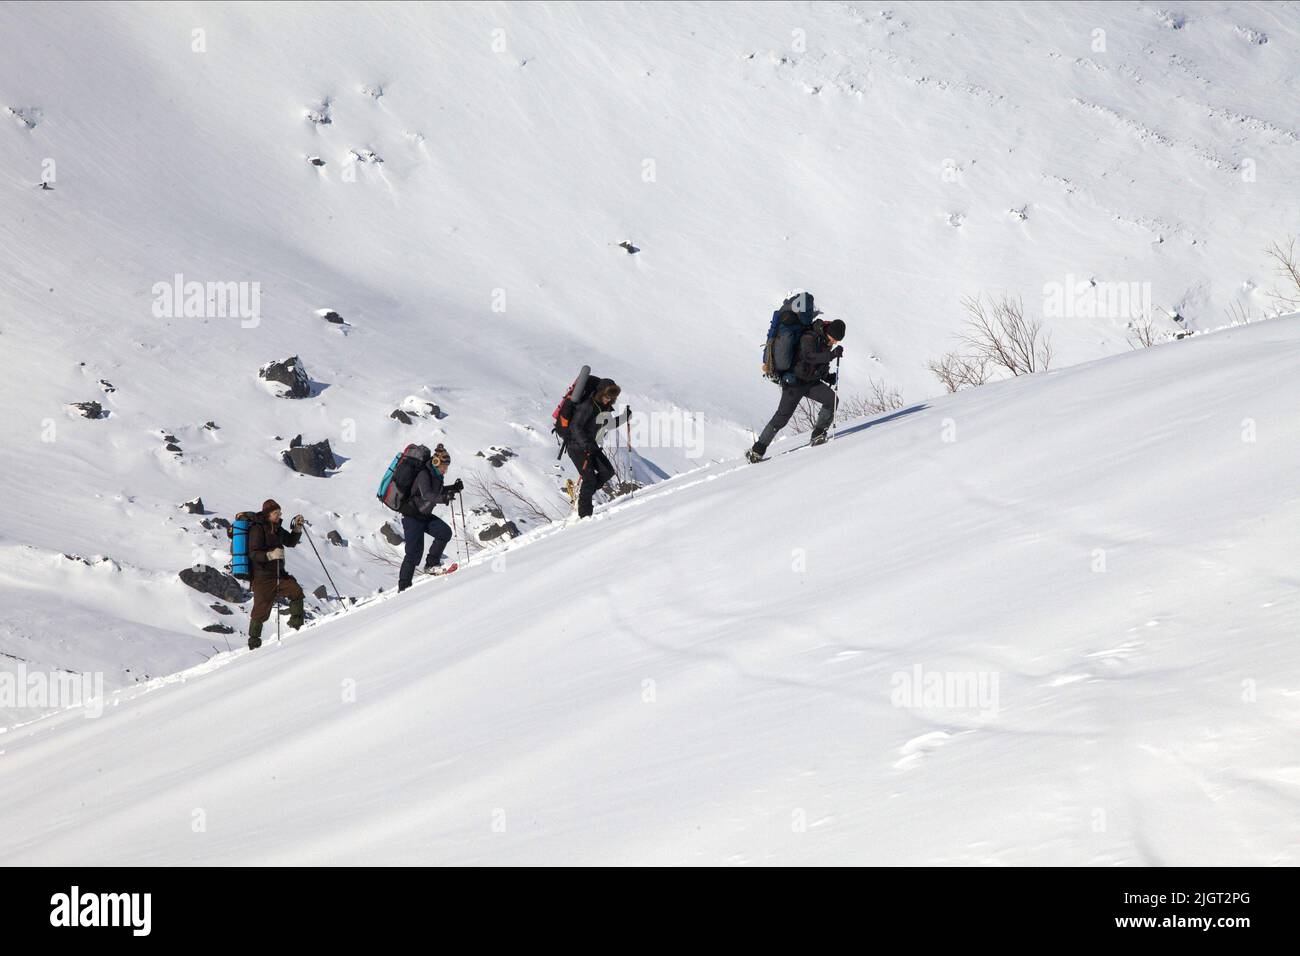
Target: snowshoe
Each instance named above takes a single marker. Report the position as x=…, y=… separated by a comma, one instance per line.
x=440, y=569
x=819, y=437
x=754, y=456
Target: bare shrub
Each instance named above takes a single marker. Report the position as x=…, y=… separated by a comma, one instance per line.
x=1143, y=334
x=1239, y=314
x=494, y=492
x=624, y=481
x=999, y=334
x=956, y=371
x=1287, y=268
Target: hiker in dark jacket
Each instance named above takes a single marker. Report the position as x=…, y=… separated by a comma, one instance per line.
x=590, y=421
x=813, y=378
x=427, y=492
x=267, y=540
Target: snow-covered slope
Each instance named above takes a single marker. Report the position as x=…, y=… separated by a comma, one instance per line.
x=719, y=669
x=481, y=165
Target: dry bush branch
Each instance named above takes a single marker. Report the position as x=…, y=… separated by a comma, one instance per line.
x=1287, y=268
x=1000, y=334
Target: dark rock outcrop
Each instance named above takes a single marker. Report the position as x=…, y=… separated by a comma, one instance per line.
x=392, y=536
x=290, y=375
x=316, y=460
x=494, y=531
x=336, y=539
x=208, y=580
x=194, y=506
x=90, y=409
x=496, y=456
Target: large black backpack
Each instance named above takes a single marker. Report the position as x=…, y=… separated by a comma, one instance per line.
x=781, y=350
x=395, y=488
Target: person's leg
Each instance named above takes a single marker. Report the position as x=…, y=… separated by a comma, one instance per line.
x=599, y=470
x=791, y=396
x=823, y=393
x=291, y=589
x=413, y=531
x=441, y=533
x=263, y=598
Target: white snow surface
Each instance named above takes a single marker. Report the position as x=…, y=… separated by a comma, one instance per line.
x=703, y=674
x=709, y=671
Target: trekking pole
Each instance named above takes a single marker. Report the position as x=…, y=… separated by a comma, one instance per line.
x=835, y=421
x=451, y=506
x=278, y=639
x=631, y=477
x=337, y=595
x=464, y=527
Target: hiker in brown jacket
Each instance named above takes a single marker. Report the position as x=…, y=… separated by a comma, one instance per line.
x=267, y=540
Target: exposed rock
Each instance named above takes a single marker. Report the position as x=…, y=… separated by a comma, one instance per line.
x=173, y=447
x=212, y=524
x=208, y=580
x=108, y=387
x=336, y=539
x=496, y=456
x=320, y=115
x=631, y=249
x=392, y=536
x=333, y=317
x=316, y=460
x=315, y=160
x=221, y=609
x=212, y=426
x=320, y=593
x=401, y=416
x=415, y=407
x=492, y=532
x=287, y=378
x=194, y=506
x=220, y=629
x=90, y=409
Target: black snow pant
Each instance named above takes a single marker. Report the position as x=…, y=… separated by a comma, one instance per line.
x=414, y=530
x=595, y=470
x=791, y=396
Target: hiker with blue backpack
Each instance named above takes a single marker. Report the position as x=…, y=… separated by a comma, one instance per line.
x=413, y=486
x=797, y=356
x=266, y=542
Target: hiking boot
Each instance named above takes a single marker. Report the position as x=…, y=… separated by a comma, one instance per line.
x=755, y=454
x=818, y=437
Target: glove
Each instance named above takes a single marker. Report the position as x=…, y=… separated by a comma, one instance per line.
x=837, y=352
x=457, y=486
x=298, y=521
x=276, y=555
x=831, y=378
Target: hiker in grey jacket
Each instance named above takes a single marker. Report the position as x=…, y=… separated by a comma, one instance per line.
x=427, y=492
